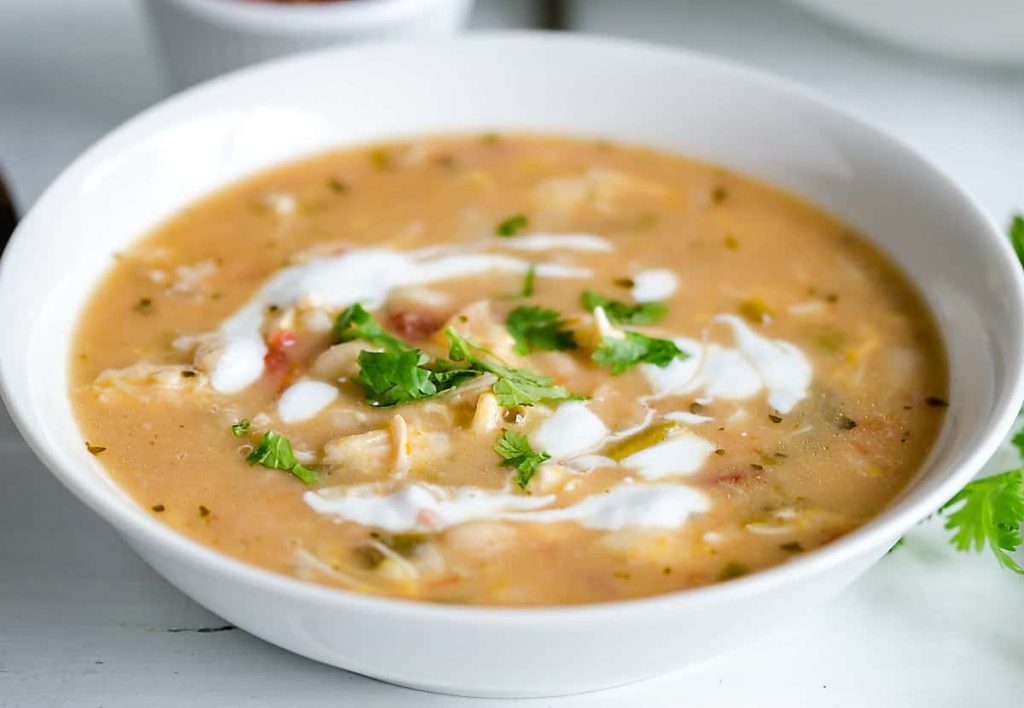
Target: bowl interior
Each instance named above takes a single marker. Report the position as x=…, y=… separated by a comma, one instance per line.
x=224, y=130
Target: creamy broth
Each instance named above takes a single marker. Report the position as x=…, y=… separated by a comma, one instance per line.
x=745, y=381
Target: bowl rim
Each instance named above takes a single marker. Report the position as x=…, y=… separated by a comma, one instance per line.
x=879, y=531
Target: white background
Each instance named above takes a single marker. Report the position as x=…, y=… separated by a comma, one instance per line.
x=83, y=622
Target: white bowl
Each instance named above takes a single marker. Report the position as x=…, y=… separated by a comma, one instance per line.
x=200, y=39
x=981, y=31
x=216, y=133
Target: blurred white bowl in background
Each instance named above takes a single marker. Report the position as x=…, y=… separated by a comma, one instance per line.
x=201, y=39
x=983, y=31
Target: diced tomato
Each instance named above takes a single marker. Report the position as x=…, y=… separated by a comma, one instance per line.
x=276, y=359
x=282, y=339
x=413, y=325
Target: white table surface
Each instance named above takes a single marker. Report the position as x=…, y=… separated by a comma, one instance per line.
x=83, y=622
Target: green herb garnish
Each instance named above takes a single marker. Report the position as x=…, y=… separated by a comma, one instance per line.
x=275, y=452
x=643, y=313
x=515, y=451
x=514, y=387
x=537, y=328
x=989, y=511
x=531, y=276
x=241, y=427
x=391, y=378
x=356, y=323
x=512, y=225
x=623, y=353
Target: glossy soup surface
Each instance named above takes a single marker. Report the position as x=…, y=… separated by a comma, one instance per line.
x=749, y=379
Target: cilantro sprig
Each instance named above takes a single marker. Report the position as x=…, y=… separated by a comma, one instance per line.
x=392, y=378
x=516, y=451
x=514, y=387
x=275, y=452
x=399, y=374
x=354, y=322
x=989, y=512
x=620, y=354
x=643, y=313
x=537, y=328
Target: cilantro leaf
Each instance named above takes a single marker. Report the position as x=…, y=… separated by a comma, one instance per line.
x=514, y=387
x=531, y=276
x=512, y=225
x=275, y=452
x=643, y=313
x=391, y=378
x=522, y=387
x=1017, y=236
x=990, y=512
x=515, y=451
x=356, y=323
x=447, y=375
x=241, y=427
x=623, y=353
x=537, y=328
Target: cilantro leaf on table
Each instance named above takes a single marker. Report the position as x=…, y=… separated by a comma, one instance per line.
x=989, y=511
x=275, y=452
x=516, y=451
x=623, y=353
x=538, y=328
x=643, y=313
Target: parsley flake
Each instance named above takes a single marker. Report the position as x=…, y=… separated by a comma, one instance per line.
x=643, y=313
x=623, y=353
x=540, y=329
x=515, y=451
x=512, y=225
x=528, y=281
x=241, y=427
x=275, y=452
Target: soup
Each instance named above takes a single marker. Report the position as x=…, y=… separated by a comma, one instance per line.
x=508, y=370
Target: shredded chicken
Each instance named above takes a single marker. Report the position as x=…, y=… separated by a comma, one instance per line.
x=487, y=416
x=339, y=362
x=398, y=450
x=172, y=377
x=478, y=322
